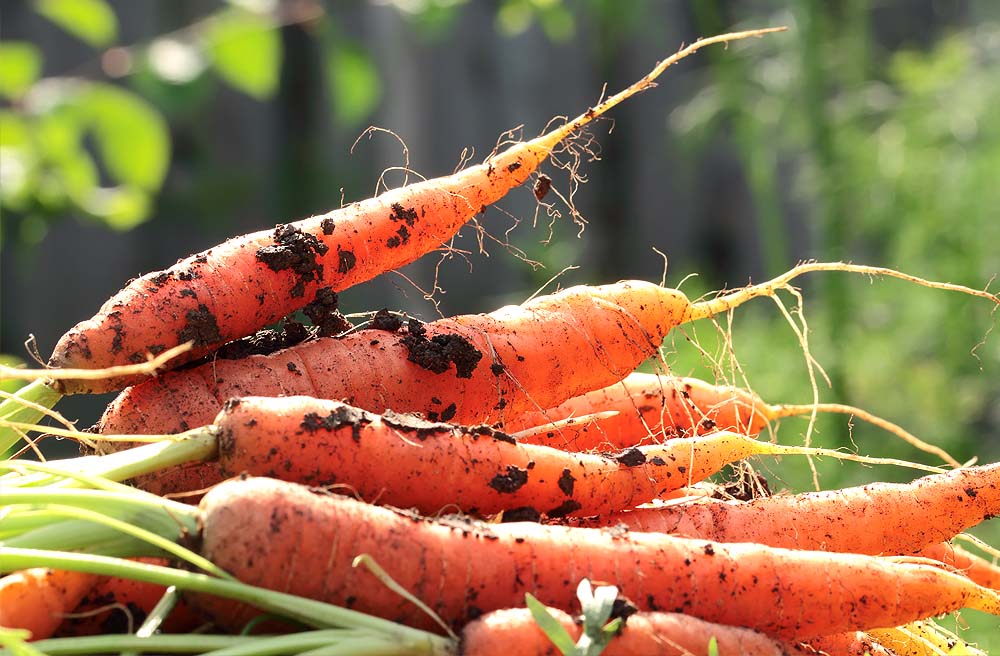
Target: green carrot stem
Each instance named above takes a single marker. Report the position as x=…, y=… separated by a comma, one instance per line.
x=307, y=611
x=19, y=408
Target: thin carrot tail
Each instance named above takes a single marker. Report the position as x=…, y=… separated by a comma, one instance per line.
x=552, y=138
x=790, y=410
x=726, y=302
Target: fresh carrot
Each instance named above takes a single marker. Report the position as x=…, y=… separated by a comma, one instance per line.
x=879, y=518
x=514, y=631
x=650, y=408
x=406, y=461
x=38, y=599
x=471, y=369
x=249, y=282
x=980, y=570
x=647, y=407
x=120, y=605
x=290, y=538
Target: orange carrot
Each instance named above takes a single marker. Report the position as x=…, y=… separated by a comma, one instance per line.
x=650, y=408
x=120, y=605
x=514, y=631
x=249, y=282
x=978, y=569
x=273, y=534
x=406, y=461
x=38, y=599
x=471, y=369
x=879, y=518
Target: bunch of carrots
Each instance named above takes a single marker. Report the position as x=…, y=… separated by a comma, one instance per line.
x=451, y=487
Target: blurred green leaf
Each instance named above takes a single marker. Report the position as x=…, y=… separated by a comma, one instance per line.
x=92, y=21
x=121, y=208
x=14, y=130
x=131, y=136
x=20, y=65
x=354, y=83
x=246, y=51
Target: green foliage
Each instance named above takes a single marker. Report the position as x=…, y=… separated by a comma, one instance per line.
x=91, y=21
x=20, y=65
x=246, y=51
x=353, y=82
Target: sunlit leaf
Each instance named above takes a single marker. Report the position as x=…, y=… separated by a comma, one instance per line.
x=91, y=21
x=20, y=64
x=131, y=136
x=121, y=208
x=245, y=49
x=354, y=82
x=14, y=130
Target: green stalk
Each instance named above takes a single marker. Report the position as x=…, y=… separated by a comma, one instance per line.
x=12, y=409
x=163, y=644
x=306, y=611
x=199, y=444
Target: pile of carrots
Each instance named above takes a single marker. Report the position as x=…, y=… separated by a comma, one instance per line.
x=476, y=463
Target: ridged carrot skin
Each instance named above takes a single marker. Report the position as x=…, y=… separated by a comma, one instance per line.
x=272, y=534
x=38, y=599
x=471, y=369
x=514, y=631
x=651, y=408
x=879, y=518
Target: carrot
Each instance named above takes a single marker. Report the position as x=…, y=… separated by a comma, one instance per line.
x=406, y=461
x=514, y=631
x=274, y=534
x=978, y=569
x=120, y=605
x=37, y=599
x=879, y=518
x=652, y=407
x=469, y=369
x=249, y=282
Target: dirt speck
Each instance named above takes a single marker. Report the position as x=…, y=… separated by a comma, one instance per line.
x=521, y=514
x=566, y=507
x=542, y=186
x=631, y=457
x=327, y=226
x=414, y=424
x=440, y=351
x=511, y=482
x=322, y=311
x=345, y=261
x=295, y=251
x=343, y=415
x=201, y=328
x=385, y=320
x=566, y=482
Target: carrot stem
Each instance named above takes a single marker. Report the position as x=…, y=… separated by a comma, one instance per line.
x=306, y=611
x=28, y=404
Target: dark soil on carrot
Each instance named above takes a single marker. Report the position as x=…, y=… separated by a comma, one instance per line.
x=296, y=251
x=440, y=351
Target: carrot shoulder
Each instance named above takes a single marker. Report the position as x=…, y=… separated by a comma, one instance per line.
x=271, y=534
x=248, y=282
